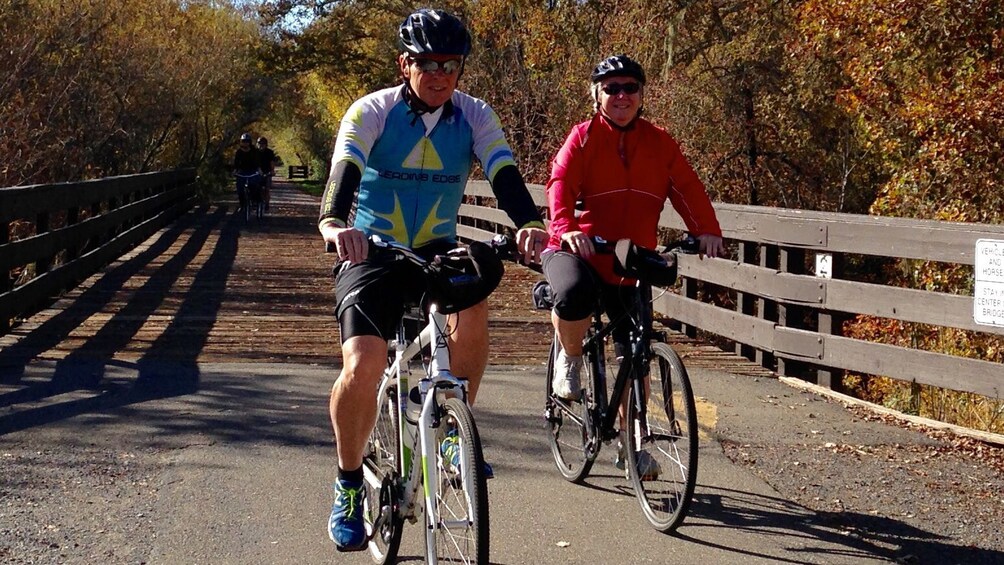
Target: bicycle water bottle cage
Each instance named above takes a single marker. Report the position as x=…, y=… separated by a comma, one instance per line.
x=457, y=281
x=637, y=262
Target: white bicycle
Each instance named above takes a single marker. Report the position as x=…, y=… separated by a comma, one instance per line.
x=424, y=460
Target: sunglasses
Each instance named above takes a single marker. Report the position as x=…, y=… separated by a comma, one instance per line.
x=615, y=88
x=430, y=66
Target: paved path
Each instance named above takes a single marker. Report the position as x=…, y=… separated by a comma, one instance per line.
x=173, y=410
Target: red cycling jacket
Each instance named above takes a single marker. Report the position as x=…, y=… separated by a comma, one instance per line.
x=623, y=179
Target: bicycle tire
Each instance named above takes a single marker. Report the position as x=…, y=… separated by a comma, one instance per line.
x=567, y=425
x=462, y=528
x=384, y=524
x=669, y=437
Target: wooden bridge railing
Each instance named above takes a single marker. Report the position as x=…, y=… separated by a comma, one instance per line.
x=54, y=236
x=787, y=318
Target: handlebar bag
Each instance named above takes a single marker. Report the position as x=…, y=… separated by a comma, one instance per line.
x=647, y=265
x=457, y=281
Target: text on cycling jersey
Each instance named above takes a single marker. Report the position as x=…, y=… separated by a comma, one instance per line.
x=422, y=177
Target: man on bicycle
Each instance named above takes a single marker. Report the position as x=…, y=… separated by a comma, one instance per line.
x=611, y=179
x=402, y=157
x=246, y=163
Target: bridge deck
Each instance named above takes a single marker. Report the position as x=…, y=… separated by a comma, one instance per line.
x=172, y=410
x=211, y=288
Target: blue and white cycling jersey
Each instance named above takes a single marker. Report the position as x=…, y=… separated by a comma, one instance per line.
x=415, y=167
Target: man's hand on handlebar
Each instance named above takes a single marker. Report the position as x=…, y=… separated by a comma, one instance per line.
x=531, y=242
x=711, y=245
x=350, y=243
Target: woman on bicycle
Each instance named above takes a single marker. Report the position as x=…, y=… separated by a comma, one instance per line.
x=266, y=159
x=611, y=179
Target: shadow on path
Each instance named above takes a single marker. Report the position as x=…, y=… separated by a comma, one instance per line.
x=796, y=528
x=87, y=367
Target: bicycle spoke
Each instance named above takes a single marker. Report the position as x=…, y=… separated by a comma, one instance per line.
x=380, y=465
x=662, y=442
x=567, y=432
x=461, y=532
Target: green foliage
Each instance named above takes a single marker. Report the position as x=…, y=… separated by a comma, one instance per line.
x=98, y=88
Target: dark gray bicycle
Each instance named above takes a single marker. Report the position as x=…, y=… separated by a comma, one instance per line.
x=658, y=444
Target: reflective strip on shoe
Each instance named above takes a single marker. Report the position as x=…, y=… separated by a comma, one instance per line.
x=345, y=525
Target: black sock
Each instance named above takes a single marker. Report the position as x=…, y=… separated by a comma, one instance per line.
x=355, y=475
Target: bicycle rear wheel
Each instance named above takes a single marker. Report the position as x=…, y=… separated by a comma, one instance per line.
x=567, y=426
x=381, y=467
x=662, y=440
x=461, y=528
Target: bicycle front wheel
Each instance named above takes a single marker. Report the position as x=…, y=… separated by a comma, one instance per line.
x=461, y=528
x=381, y=466
x=662, y=440
x=567, y=428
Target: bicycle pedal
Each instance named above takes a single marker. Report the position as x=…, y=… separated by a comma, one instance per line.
x=550, y=417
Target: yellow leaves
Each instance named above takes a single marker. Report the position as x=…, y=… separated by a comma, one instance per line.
x=127, y=85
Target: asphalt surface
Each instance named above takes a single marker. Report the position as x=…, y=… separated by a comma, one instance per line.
x=239, y=469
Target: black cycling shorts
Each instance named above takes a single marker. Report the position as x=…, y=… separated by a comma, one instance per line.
x=371, y=295
x=577, y=287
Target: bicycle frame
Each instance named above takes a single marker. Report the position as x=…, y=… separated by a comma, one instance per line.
x=418, y=466
x=607, y=412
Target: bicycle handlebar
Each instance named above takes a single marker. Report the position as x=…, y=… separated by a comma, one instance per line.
x=503, y=245
x=689, y=245
x=649, y=265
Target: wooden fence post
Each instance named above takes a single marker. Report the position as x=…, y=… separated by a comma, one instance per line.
x=42, y=265
x=767, y=309
x=792, y=261
x=745, y=302
x=6, y=282
x=831, y=323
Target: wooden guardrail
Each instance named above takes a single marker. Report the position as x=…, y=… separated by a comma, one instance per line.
x=788, y=319
x=54, y=236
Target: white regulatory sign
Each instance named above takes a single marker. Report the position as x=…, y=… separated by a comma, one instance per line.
x=988, y=296
x=824, y=265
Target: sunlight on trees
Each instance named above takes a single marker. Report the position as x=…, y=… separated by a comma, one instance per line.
x=99, y=89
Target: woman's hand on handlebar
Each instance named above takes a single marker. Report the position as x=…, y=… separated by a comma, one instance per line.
x=711, y=245
x=579, y=243
x=531, y=242
x=350, y=243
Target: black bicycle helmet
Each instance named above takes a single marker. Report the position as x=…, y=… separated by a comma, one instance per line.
x=245, y=138
x=263, y=140
x=618, y=66
x=434, y=32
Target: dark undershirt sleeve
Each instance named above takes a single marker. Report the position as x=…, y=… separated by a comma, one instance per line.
x=340, y=193
x=514, y=198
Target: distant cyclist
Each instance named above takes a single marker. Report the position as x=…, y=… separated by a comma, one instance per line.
x=245, y=167
x=267, y=165
x=618, y=169
x=402, y=157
